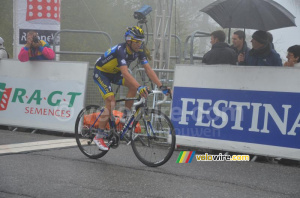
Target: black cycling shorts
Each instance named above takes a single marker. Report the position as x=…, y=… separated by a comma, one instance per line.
x=104, y=80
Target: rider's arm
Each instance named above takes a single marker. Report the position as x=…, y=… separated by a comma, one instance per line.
x=128, y=77
x=23, y=55
x=152, y=75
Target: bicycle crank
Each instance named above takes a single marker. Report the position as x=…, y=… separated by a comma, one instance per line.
x=114, y=141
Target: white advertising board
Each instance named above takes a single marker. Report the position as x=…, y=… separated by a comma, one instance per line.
x=250, y=109
x=42, y=95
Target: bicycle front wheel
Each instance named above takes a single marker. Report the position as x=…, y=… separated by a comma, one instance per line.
x=153, y=138
x=85, y=131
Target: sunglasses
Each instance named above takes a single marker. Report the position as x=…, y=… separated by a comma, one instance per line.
x=137, y=41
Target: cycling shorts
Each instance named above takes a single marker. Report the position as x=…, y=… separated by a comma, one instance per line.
x=104, y=80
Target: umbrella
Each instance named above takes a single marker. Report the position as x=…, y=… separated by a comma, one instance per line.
x=250, y=14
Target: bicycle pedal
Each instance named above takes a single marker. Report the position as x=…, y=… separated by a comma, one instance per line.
x=112, y=145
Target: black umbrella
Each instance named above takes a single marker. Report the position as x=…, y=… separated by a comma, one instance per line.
x=250, y=14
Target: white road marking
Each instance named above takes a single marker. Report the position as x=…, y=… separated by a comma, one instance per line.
x=40, y=145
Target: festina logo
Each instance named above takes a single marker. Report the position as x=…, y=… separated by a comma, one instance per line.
x=220, y=113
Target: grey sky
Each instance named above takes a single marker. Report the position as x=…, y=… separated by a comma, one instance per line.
x=286, y=37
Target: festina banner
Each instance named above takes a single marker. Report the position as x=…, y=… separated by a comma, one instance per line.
x=42, y=16
x=253, y=110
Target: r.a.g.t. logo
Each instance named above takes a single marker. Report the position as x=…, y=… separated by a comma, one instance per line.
x=4, y=96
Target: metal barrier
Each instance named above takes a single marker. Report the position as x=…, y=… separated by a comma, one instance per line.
x=79, y=31
x=192, y=37
x=93, y=95
x=179, y=52
x=167, y=79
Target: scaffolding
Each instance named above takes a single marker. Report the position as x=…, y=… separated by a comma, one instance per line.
x=162, y=34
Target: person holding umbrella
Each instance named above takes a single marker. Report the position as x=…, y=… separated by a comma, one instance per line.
x=261, y=53
x=239, y=44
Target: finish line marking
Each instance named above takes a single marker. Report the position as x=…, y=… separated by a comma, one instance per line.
x=33, y=146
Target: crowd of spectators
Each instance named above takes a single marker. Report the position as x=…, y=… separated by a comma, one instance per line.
x=263, y=51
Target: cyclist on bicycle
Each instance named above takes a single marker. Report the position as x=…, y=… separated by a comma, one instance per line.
x=112, y=67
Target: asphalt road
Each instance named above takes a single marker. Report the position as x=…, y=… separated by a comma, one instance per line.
x=66, y=172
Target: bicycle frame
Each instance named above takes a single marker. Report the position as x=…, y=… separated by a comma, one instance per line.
x=151, y=133
x=140, y=105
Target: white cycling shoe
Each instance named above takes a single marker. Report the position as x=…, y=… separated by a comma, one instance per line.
x=100, y=143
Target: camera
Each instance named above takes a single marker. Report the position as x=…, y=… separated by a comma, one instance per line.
x=35, y=39
x=142, y=13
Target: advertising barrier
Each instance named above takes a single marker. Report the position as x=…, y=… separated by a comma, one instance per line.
x=253, y=110
x=42, y=95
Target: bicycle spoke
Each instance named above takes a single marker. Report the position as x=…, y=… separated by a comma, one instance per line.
x=85, y=131
x=154, y=142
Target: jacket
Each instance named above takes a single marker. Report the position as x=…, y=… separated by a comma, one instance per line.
x=265, y=56
x=43, y=52
x=245, y=50
x=220, y=53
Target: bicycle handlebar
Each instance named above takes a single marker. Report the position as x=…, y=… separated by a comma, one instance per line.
x=142, y=100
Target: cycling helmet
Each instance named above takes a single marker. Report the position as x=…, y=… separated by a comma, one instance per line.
x=135, y=33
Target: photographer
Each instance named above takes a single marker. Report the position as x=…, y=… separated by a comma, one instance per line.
x=35, y=49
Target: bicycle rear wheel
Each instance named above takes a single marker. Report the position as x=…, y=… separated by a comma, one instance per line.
x=153, y=138
x=85, y=131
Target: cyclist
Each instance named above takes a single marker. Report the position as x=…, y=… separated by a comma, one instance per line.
x=112, y=67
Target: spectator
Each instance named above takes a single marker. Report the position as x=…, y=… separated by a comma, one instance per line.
x=261, y=53
x=3, y=52
x=293, y=56
x=270, y=39
x=220, y=52
x=239, y=43
x=35, y=49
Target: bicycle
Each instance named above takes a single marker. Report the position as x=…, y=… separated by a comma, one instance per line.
x=151, y=133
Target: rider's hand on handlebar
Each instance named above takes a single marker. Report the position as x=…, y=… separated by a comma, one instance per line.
x=143, y=91
x=166, y=90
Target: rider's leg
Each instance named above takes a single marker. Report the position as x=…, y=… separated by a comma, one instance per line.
x=110, y=104
x=131, y=93
x=104, y=118
x=103, y=82
x=119, y=80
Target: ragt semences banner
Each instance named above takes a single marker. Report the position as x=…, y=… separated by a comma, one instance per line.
x=42, y=95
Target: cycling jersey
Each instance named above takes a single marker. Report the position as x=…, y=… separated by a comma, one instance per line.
x=107, y=68
x=118, y=56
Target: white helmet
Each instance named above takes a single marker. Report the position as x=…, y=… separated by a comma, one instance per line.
x=1, y=41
